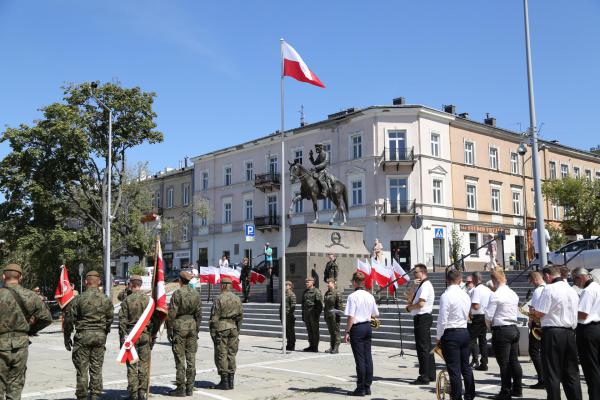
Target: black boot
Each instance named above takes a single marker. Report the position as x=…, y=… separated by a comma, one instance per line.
x=224, y=384
x=142, y=394
x=230, y=380
x=177, y=392
x=189, y=391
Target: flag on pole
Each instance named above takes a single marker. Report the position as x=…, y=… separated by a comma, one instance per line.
x=294, y=66
x=256, y=277
x=128, y=351
x=210, y=274
x=234, y=275
x=365, y=268
x=64, y=292
x=400, y=274
x=381, y=274
x=159, y=293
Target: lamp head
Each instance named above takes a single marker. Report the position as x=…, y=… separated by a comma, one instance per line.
x=522, y=150
x=94, y=85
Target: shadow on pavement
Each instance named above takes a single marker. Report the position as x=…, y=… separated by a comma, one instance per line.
x=321, y=389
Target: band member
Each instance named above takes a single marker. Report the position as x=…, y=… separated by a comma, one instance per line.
x=420, y=308
x=453, y=336
x=535, y=345
x=480, y=297
x=360, y=308
x=588, y=330
x=557, y=309
x=501, y=314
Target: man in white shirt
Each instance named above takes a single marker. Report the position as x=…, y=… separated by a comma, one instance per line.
x=557, y=309
x=588, y=330
x=501, y=314
x=453, y=336
x=480, y=297
x=536, y=245
x=421, y=308
x=360, y=307
x=535, y=345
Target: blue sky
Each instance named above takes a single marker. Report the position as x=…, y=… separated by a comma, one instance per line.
x=215, y=65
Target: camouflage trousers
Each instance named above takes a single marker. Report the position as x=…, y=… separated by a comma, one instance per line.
x=246, y=288
x=333, y=325
x=226, y=348
x=137, y=374
x=13, y=364
x=185, y=345
x=290, y=330
x=88, y=357
x=312, y=328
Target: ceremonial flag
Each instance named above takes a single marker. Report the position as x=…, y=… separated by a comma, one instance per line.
x=294, y=66
x=159, y=293
x=381, y=274
x=64, y=292
x=365, y=268
x=234, y=275
x=128, y=351
x=210, y=274
x=256, y=277
x=400, y=274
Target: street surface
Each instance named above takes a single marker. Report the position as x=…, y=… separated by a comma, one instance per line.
x=263, y=372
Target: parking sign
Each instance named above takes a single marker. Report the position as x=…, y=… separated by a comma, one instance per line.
x=250, y=232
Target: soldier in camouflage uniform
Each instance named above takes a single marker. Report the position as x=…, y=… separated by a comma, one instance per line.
x=91, y=315
x=290, y=318
x=331, y=268
x=245, y=278
x=183, y=325
x=225, y=324
x=312, y=305
x=132, y=309
x=333, y=301
x=15, y=327
x=125, y=292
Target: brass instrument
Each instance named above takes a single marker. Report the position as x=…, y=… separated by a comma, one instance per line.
x=536, y=331
x=437, y=350
x=442, y=382
x=409, y=294
x=375, y=323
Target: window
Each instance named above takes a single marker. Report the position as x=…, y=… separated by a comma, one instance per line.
x=203, y=221
x=327, y=149
x=227, y=176
x=564, y=170
x=204, y=180
x=398, y=195
x=248, y=209
x=555, y=212
x=298, y=156
x=496, y=200
x=435, y=144
x=588, y=175
x=356, y=146
x=516, y=202
x=469, y=153
x=184, y=233
x=473, y=243
x=597, y=176
x=272, y=206
x=153, y=201
x=299, y=205
x=158, y=200
x=227, y=213
x=186, y=194
x=397, y=145
x=493, y=158
x=169, y=235
x=249, y=167
x=514, y=163
x=437, y=191
x=326, y=204
x=471, y=197
x=357, y=196
x=170, y=197
x=552, y=170
x=576, y=172
x=273, y=164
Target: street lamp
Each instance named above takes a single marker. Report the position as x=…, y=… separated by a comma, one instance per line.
x=522, y=150
x=106, y=201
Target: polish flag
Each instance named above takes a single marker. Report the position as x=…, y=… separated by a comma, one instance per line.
x=234, y=275
x=381, y=274
x=210, y=274
x=400, y=274
x=159, y=293
x=294, y=66
x=365, y=268
x=64, y=292
x=256, y=277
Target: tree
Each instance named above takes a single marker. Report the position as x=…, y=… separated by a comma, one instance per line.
x=54, y=179
x=581, y=201
x=557, y=238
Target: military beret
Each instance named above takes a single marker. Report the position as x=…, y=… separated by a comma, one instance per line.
x=14, y=267
x=310, y=278
x=92, y=274
x=226, y=281
x=185, y=275
x=135, y=278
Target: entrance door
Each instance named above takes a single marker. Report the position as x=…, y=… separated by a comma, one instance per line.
x=439, y=252
x=520, y=250
x=203, y=257
x=401, y=253
x=397, y=145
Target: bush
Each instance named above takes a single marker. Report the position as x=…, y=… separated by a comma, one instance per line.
x=137, y=269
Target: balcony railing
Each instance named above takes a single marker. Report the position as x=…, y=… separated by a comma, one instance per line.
x=398, y=156
x=398, y=208
x=268, y=222
x=268, y=181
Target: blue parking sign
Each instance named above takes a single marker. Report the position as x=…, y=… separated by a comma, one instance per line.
x=250, y=232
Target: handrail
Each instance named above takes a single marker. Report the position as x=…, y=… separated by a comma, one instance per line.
x=461, y=260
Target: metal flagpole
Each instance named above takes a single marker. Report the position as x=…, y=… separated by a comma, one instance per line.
x=537, y=185
x=282, y=217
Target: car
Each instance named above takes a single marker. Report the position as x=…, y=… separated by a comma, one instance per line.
x=580, y=253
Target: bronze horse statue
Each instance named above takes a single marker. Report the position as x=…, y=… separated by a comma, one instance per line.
x=309, y=190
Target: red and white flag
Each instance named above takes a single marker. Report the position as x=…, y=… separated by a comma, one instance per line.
x=210, y=274
x=381, y=274
x=234, y=275
x=128, y=351
x=159, y=293
x=256, y=277
x=294, y=66
x=402, y=277
x=365, y=268
x=64, y=292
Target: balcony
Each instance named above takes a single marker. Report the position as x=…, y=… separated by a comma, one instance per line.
x=267, y=182
x=267, y=223
x=398, y=208
x=398, y=157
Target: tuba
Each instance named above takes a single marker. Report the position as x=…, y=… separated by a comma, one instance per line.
x=375, y=323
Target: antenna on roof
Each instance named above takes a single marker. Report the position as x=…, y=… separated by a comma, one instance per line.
x=301, y=115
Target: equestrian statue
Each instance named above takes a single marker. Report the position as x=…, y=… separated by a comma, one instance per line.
x=317, y=183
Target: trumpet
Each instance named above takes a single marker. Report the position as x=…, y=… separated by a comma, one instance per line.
x=536, y=331
x=375, y=323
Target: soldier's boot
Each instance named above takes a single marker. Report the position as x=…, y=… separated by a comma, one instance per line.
x=335, y=349
x=141, y=394
x=189, y=391
x=224, y=384
x=231, y=377
x=177, y=392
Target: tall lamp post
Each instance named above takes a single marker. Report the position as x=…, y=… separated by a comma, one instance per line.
x=106, y=200
x=522, y=150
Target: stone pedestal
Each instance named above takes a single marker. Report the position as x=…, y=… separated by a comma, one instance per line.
x=306, y=254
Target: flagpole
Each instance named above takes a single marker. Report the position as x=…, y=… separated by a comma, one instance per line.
x=152, y=294
x=282, y=217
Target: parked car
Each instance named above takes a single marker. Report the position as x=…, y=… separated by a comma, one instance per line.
x=580, y=253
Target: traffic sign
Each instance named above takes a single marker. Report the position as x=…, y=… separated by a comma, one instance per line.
x=250, y=232
x=438, y=233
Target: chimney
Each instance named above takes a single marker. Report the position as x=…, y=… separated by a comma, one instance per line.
x=450, y=109
x=491, y=121
x=464, y=115
x=399, y=101
x=185, y=162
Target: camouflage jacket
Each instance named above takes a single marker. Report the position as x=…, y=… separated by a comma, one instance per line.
x=123, y=294
x=331, y=271
x=226, y=313
x=14, y=327
x=132, y=309
x=290, y=302
x=312, y=303
x=185, y=310
x=90, y=311
x=332, y=300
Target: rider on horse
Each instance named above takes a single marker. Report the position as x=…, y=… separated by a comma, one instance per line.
x=320, y=172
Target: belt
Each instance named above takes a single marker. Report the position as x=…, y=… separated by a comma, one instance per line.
x=589, y=323
x=454, y=329
x=477, y=316
x=360, y=323
x=564, y=328
x=421, y=315
x=503, y=327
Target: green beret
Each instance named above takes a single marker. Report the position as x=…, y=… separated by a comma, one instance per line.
x=14, y=267
x=135, y=278
x=92, y=274
x=225, y=281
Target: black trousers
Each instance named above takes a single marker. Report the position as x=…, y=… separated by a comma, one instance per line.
x=560, y=363
x=478, y=332
x=505, y=341
x=422, y=330
x=456, y=351
x=588, y=346
x=360, y=341
x=535, y=352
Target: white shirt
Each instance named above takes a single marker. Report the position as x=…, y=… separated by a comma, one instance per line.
x=535, y=297
x=589, y=303
x=361, y=305
x=454, y=310
x=536, y=245
x=223, y=263
x=559, y=303
x=480, y=294
x=503, y=307
x=426, y=293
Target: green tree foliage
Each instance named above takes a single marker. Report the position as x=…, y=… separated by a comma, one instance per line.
x=455, y=244
x=581, y=201
x=54, y=178
x=557, y=238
